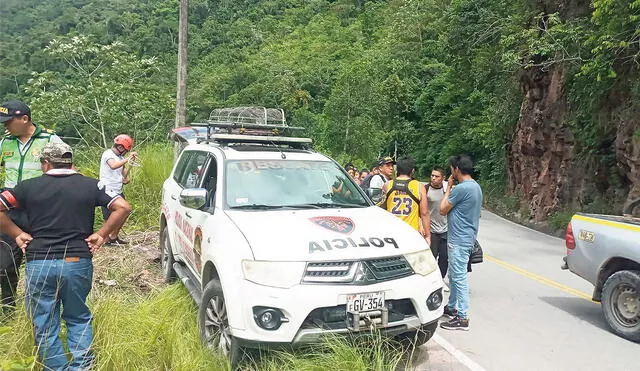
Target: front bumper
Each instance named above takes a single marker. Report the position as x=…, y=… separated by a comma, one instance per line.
x=307, y=307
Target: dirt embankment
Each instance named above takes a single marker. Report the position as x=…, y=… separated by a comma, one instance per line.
x=134, y=268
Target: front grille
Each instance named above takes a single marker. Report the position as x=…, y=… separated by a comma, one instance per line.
x=333, y=272
x=389, y=268
x=364, y=272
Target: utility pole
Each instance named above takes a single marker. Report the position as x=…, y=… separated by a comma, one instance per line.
x=181, y=96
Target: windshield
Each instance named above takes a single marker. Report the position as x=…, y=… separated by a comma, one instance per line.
x=274, y=184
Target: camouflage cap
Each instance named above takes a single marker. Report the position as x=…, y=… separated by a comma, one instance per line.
x=59, y=153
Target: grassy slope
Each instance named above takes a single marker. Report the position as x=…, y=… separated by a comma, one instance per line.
x=157, y=329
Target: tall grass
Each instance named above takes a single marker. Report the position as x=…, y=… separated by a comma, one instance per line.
x=160, y=332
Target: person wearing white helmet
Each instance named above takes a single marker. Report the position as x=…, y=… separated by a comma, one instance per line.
x=114, y=174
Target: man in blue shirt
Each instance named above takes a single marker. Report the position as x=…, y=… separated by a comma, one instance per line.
x=462, y=206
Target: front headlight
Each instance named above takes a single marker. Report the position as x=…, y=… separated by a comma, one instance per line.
x=273, y=274
x=422, y=262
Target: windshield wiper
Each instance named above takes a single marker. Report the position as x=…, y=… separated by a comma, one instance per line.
x=256, y=207
x=330, y=205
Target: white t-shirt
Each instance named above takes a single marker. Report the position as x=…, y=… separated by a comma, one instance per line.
x=109, y=178
x=378, y=181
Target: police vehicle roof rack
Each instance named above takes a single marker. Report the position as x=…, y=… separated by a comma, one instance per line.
x=250, y=125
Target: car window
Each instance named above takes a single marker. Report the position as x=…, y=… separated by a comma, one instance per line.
x=193, y=171
x=210, y=182
x=182, y=164
x=290, y=183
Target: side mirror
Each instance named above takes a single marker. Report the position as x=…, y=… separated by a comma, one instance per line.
x=193, y=198
x=375, y=194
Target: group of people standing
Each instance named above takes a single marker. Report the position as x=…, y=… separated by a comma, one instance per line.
x=47, y=212
x=445, y=213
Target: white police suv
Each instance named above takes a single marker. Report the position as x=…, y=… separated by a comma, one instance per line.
x=278, y=246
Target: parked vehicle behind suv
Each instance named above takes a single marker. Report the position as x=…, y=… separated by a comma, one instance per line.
x=278, y=246
x=605, y=250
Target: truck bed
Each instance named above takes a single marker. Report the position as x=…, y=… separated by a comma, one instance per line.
x=614, y=218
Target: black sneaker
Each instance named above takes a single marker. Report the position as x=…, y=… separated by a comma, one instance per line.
x=457, y=323
x=119, y=241
x=449, y=312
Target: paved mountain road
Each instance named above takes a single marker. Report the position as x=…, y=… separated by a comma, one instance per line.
x=527, y=313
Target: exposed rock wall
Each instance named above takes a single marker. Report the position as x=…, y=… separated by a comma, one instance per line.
x=628, y=148
x=542, y=145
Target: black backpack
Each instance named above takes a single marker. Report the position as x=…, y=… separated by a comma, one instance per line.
x=366, y=182
x=402, y=185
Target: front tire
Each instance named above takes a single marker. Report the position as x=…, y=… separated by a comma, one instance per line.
x=166, y=257
x=621, y=304
x=213, y=321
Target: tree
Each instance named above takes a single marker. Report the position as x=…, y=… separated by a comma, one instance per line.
x=104, y=91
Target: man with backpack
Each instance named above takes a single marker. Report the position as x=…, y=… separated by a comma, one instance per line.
x=385, y=167
x=407, y=199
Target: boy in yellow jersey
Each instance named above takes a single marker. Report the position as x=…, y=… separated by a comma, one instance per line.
x=407, y=199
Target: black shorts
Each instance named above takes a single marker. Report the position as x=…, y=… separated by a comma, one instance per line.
x=106, y=212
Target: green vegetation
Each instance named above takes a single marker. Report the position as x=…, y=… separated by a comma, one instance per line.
x=431, y=78
x=437, y=77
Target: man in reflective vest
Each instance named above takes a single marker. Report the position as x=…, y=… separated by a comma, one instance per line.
x=19, y=155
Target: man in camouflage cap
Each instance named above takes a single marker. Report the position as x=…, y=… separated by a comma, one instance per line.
x=59, y=243
x=56, y=153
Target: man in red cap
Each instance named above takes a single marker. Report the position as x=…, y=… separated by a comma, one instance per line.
x=114, y=174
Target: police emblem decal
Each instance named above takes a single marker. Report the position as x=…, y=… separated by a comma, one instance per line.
x=335, y=223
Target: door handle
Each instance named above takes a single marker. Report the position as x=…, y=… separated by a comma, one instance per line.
x=173, y=197
x=187, y=214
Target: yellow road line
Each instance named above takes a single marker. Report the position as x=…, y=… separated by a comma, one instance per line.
x=540, y=279
x=608, y=223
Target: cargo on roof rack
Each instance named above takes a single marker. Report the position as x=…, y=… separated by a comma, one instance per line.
x=255, y=125
x=249, y=115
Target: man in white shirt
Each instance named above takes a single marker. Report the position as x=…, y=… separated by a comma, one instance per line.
x=385, y=167
x=114, y=174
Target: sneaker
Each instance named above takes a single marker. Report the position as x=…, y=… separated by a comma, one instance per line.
x=116, y=241
x=457, y=323
x=449, y=312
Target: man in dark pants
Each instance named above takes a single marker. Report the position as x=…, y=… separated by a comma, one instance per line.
x=19, y=156
x=436, y=190
x=59, y=244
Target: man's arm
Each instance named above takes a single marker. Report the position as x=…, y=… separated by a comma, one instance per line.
x=8, y=201
x=445, y=205
x=125, y=175
x=424, y=214
x=385, y=189
x=116, y=164
x=120, y=210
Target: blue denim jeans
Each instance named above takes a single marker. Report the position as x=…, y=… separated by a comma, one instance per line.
x=50, y=285
x=458, y=282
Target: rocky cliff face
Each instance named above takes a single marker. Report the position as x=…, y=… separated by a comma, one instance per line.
x=543, y=167
x=628, y=148
x=542, y=145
